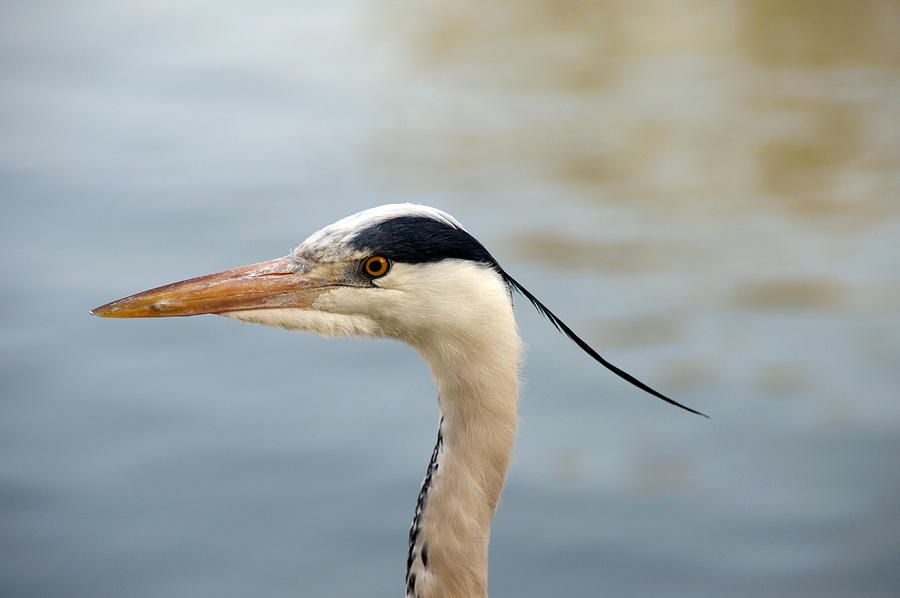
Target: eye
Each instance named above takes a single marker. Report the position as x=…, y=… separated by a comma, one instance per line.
x=376, y=266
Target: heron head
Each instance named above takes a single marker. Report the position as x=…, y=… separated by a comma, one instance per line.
x=400, y=271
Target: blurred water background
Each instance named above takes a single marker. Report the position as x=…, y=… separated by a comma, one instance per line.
x=708, y=191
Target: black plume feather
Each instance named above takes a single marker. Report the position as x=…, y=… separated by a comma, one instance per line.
x=561, y=326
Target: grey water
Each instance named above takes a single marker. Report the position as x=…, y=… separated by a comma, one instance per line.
x=708, y=194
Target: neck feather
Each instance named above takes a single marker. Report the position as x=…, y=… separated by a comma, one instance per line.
x=477, y=380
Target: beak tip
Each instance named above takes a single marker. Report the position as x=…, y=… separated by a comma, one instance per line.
x=101, y=312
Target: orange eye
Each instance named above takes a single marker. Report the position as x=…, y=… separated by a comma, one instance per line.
x=376, y=266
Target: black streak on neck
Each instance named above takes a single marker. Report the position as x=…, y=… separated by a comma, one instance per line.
x=416, y=527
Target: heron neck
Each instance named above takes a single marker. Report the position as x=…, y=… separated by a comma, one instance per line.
x=478, y=397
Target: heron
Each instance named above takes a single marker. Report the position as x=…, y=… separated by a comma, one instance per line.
x=411, y=273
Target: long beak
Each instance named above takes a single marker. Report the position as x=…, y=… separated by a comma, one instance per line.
x=277, y=283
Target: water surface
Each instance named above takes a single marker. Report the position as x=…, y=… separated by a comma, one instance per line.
x=708, y=192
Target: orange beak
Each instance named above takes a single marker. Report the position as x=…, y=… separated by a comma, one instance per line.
x=283, y=282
